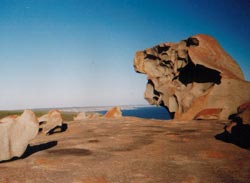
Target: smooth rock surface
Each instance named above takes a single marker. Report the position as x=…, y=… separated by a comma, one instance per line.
x=194, y=79
x=15, y=134
x=131, y=150
x=50, y=121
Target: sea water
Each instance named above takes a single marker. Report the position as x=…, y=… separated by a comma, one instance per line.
x=147, y=112
x=151, y=112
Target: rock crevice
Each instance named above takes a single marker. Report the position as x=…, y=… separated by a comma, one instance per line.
x=193, y=79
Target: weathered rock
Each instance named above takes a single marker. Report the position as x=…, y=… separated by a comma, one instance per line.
x=194, y=79
x=9, y=119
x=50, y=121
x=244, y=112
x=113, y=113
x=15, y=134
x=80, y=116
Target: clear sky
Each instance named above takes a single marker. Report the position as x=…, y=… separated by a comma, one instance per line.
x=63, y=53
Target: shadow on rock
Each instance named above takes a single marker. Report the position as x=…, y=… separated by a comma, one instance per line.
x=236, y=133
x=58, y=129
x=36, y=148
x=33, y=149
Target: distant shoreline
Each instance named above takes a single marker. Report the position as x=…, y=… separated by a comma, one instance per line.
x=83, y=108
x=99, y=108
x=141, y=111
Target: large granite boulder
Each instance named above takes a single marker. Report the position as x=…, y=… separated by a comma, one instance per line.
x=51, y=121
x=193, y=79
x=15, y=134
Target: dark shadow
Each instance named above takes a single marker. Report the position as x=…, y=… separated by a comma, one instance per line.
x=240, y=133
x=156, y=97
x=71, y=151
x=155, y=91
x=166, y=63
x=33, y=149
x=36, y=148
x=235, y=118
x=192, y=41
x=58, y=129
x=42, y=123
x=151, y=57
x=198, y=73
x=161, y=49
x=171, y=114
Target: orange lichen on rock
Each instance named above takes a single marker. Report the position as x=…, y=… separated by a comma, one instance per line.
x=113, y=112
x=9, y=118
x=244, y=112
x=208, y=114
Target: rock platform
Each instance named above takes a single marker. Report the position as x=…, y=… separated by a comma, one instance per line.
x=131, y=150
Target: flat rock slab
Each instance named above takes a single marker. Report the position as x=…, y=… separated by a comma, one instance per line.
x=131, y=150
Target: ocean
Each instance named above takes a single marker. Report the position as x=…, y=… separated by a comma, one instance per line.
x=147, y=112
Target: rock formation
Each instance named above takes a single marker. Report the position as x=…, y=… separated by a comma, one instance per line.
x=50, y=121
x=80, y=116
x=93, y=115
x=113, y=112
x=244, y=112
x=194, y=79
x=9, y=119
x=15, y=134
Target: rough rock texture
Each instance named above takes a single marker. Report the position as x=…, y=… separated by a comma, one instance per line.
x=244, y=112
x=194, y=79
x=80, y=116
x=15, y=134
x=50, y=121
x=131, y=150
x=113, y=113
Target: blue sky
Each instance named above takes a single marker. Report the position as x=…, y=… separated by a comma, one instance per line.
x=62, y=53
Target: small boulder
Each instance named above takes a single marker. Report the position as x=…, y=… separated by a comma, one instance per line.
x=80, y=116
x=113, y=113
x=15, y=134
x=50, y=121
